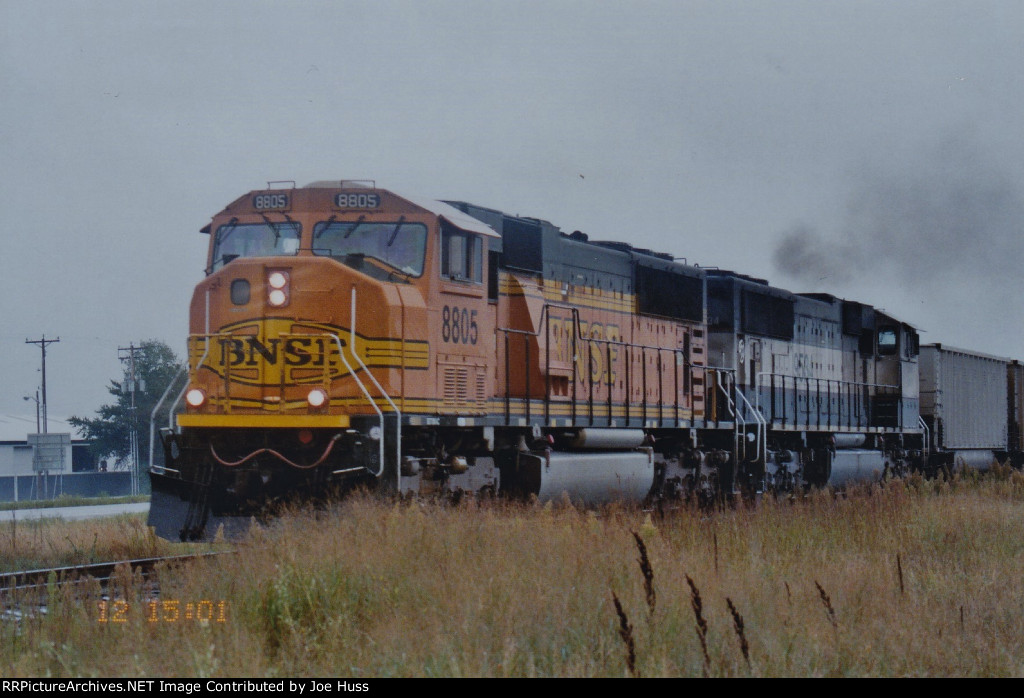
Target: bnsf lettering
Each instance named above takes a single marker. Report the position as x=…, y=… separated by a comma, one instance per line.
x=269, y=355
x=294, y=351
x=309, y=352
x=261, y=202
x=357, y=201
x=594, y=359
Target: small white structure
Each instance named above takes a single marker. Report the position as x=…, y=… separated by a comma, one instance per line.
x=33, y=466
x=16, y=446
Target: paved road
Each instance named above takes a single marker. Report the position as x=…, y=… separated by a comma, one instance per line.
x=75, y=513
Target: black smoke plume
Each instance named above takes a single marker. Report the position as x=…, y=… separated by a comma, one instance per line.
x=953, y=217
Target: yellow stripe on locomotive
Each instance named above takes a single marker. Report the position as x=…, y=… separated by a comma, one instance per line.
x=276, y=351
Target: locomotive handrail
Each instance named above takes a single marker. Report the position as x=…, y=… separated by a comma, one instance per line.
x=629, y=346
x=170, y=413
x=373, y=403
x=199, y=364
x=927, y=439
x=398, y=414
x=544, y=312
x=544, y=324
x=326, y=378
x=152, y=415
x=205, y=338
x=857, y=397
x=762, y=425
x=737, y=419
x=545, y=321
x=740, y=422
x=194, y=370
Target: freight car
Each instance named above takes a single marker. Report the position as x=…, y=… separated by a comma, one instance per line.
x=345, y=335
x=971, y=406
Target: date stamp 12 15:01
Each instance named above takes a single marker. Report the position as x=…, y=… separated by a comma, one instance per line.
x=164, y=611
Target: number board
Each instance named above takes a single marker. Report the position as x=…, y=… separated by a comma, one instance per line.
x=270, y=202
x=357, y=200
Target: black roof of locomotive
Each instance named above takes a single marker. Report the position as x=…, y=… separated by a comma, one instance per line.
x=552, y=251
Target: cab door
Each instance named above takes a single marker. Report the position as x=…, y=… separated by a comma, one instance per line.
x=465, y=324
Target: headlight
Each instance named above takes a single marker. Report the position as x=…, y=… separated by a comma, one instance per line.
x=278, y=287
x=195, y=397
x=316, y=398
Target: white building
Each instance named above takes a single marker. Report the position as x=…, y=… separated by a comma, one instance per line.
x=74, y=470
x=16, y=453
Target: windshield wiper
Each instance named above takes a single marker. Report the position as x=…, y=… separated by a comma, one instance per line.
x=273, y=226
x=223, y=233
x=225, y=259
x=318, y=231
x=398, y=226
x=354, y=226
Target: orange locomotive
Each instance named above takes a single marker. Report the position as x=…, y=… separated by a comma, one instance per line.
x=348, y=335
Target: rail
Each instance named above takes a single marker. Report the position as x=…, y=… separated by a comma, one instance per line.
x=39, y=579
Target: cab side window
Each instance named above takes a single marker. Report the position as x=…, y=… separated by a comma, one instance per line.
x=887, y=344
x=461, y=255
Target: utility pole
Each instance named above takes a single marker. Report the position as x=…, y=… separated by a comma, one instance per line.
x=42, y=345
x=133, y=439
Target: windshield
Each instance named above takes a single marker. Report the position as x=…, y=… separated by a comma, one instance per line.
x=400, y=245
x=235, y=240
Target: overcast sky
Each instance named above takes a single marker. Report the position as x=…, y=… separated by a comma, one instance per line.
x=869, y=149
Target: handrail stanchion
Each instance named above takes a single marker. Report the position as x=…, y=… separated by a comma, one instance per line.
x=398, y=414
x=152, y=415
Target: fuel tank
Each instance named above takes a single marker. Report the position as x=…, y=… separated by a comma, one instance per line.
x=856, y=465
x=588, y=477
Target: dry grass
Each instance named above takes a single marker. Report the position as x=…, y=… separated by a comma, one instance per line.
x=810, y=587
x=44, y=543
x=66, y=500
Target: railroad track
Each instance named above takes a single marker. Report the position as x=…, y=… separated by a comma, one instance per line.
x=37, y=580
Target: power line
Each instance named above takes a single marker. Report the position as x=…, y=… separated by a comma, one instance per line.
x=42, y=345
x=134, y=437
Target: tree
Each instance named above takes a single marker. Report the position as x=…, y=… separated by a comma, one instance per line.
x=155, y=367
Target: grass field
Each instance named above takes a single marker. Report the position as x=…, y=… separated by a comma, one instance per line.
x=909, y=578
x=70, y=501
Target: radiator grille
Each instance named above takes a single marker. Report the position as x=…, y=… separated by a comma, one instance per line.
x=463, y=386
x=456, y=385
